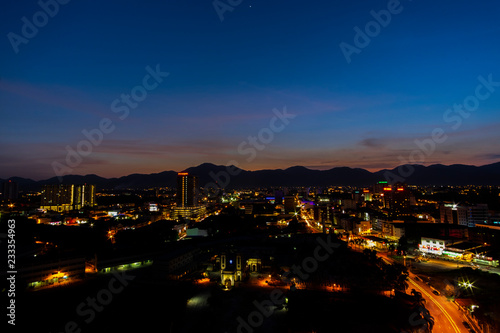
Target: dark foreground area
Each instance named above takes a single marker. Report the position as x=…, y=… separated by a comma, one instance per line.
x=141, y=301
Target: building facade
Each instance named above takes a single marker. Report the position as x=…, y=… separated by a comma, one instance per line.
x=9, y=190
x=187, y=190
x=433, y=245
x=452, y=213
x=187, y=206
x=62, y=198
x=231, y=269
x=397, y=199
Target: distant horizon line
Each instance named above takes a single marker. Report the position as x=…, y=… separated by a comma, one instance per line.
x=225, y=166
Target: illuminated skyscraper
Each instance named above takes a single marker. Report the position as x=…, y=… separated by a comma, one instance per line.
x=187, y=197
x=187, y=186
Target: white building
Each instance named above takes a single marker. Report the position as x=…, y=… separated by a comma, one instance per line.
x=432, y=245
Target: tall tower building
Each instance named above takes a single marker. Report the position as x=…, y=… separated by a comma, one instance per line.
x=397, y=200
x=9, y=190
x=187, y=186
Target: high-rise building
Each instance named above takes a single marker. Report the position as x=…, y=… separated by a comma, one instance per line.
x=379, y=187
x=290, y=203
x=187, y=197
x=452, y=213
x=187, y=188
x=83, y=195
x=477, y=214
x=9, y=190
x=67, y=197
x=397, y=200
x=323, y=213
x=278, y=197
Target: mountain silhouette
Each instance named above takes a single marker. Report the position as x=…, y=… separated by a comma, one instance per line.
x=233, y=177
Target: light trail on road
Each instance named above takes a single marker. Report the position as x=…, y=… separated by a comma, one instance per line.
x=309, y=224
x=429, y=296
x=452, y=322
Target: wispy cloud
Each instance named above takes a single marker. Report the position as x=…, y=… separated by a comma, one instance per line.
x=55, y=96
x=373, y=143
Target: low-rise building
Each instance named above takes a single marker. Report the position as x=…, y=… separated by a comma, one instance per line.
x=433, y=245
x=393, y=230
x=40, y=273
x=376, y=242
x=363, y=227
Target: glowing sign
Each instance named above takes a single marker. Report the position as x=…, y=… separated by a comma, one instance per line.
x=182, y=174
x=387, y=189
x=400, y=189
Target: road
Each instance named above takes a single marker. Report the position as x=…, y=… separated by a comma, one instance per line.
x=440, y=264
x=305, y=216
x=447, y=317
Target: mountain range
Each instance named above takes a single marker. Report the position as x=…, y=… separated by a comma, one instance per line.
x=437, y=174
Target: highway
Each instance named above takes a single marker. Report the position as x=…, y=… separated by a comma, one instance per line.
x=447, y=317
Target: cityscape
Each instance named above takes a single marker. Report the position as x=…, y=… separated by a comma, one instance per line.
x=245, y=166
x=408, y=258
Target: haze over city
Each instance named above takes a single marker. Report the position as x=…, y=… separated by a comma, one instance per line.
x=229, y=69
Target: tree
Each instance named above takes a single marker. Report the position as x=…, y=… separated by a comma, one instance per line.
x=403, y=245
x=429, y=320
x=418, y=300
x=396, y=276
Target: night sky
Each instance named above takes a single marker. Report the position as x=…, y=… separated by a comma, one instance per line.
x=227, y=76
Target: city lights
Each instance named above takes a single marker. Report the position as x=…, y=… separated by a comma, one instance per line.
x=301, y=167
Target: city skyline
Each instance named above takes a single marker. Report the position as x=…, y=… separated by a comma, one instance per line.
x=207, y=80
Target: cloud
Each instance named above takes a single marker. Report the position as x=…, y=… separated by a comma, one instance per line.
x=56, y=96
x=373, y=143
x=488, y=156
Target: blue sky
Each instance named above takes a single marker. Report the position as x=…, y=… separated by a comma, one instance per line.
x=226, y=77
